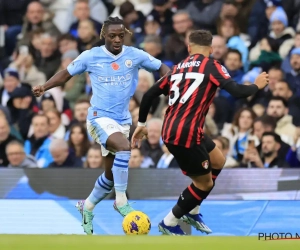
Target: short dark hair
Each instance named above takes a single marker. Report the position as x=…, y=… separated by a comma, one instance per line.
x=82, y=100
x=274, y=135
x=279, y=98
x=68, y=37
x=201, y=37
x=41, y=115
x=235, y=51
x=286, y=83
x=126, y=8
x=267, y=120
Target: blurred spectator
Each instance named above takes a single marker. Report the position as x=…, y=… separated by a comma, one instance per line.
x=278, y=108
x=48, y=102
x=80, y=111
x=133, y=103
x=264, y=124
x=22, y=106
x=219, y=48
x=67, y=42
x=233, y=63
x=162, y=12
x=205, y=13
x=152, y=26
x=94, y=157
x=167, y=160
x=240, y=10
x=275, y=75
x=239, y=132
x=293, y=154
x=5, y=113
x=28, y=72
x=97, y=11
x=5, y=138
x=153, y=45
x=62, y=156
x=87, y=35
x=151, y=148
x=269, y=56
x=282, y=89
x=49, y=59
x=134, y=20
x=17, y=157
x=75, y=87
x=11, y=17
x=281, y=32
x=293, y=77
x=223, y=144
x=56, y=128
x=136, y=158
x=38, y=144
x=82, y=13
x=210, y=127
x=176, y=42
x=270, y=159
x=145, y=82
x=228, y=28
x=11, y=82
x=286, y=64
x=271, y=6
x=36, y=17
x=78, y=140
x=257, y=98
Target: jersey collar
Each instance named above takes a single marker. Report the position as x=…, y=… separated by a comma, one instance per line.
x=111, y=54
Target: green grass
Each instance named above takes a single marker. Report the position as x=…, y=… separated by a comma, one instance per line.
x=76, y=242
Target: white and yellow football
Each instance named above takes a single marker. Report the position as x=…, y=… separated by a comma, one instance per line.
x=136, y=223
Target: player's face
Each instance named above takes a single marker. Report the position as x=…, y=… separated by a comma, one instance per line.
x=114, y=38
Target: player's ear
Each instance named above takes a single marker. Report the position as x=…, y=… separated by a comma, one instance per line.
x=211, y=50
x=189, y=48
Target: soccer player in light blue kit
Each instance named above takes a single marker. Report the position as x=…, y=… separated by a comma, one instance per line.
x=113, y=69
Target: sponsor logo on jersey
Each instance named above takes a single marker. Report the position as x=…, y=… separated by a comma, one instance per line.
x=188, y=64
x=115, y=80
x=115, y=66
x=128, y=63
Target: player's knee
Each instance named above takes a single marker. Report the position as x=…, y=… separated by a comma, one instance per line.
x=125, y=146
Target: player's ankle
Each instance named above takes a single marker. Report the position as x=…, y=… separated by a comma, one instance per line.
x=170, y=220
x=121, y=198
x=88, y=205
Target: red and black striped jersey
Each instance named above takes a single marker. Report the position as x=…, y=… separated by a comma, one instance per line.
x=191, y=86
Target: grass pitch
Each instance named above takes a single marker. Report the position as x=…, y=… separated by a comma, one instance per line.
x=80, y=242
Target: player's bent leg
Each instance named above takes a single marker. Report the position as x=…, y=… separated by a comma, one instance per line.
x=194, y=218
x=120, y=145
x=192, y=196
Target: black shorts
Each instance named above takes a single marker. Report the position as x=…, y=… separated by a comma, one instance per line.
x=193, y=161
x=208, y=143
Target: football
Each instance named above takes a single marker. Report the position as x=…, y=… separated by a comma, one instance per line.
x=137, y=223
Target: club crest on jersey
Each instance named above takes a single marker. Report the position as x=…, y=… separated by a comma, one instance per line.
x=205, y=164
x=128, y=63
x=115, y=66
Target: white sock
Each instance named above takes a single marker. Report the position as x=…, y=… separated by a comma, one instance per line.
x=121, y=198
x=196, y=210
x=170, y=220
x=88, y=205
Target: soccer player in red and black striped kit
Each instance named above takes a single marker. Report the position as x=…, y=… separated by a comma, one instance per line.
x=191, y=86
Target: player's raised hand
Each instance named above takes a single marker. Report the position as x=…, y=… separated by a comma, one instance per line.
x=38, y=90
x=138, y=135
x=262, y=80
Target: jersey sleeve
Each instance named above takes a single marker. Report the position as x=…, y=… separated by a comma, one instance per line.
x=79, y=65
x=219, y=75
x=164, y=84
x=147, y=61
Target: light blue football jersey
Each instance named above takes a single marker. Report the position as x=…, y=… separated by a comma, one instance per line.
x=114, y=79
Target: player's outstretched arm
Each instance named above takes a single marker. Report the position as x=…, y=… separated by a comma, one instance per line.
x=164, y=69
x=57, y=80
x=242, y=91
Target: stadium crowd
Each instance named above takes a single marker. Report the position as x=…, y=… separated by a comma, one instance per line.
x=39, y=38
